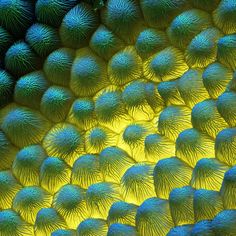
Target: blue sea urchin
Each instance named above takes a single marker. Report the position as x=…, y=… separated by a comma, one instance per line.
x=78, y=25
x=16, y=16
x=30, y=88
x=24, y=126
x=20, y=59
x=153, y=217
x=64, y=140
x=57, y=66
x=52, y=11
x=208, y=174
x=137, y=183
x=29, y=200
x=27, y=164
x=42, y=38
x=54, y=173
x=70, y=203
x=86, y=171
x=88, y=73
x=170, y=173
x=56, y=102
x=93, y=226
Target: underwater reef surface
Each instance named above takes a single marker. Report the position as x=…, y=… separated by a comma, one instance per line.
x=117, y=117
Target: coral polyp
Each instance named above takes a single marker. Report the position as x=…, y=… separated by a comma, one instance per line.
x=192, y=145
x=158, y=147
x=191, y=87
x=12, y=224
x=170, y=121
x=153, y=217
x=149, y=41
x=226, y=105
x=158, y=14
x=225, y=16
x=203, y=226
x=99, y=138
x=202, y=50
x=119, y=229
x=226, y=50
x=206, y=118
x=227, y=190
x=215, y=79
x=225, y=222
x=117, y=117
x=208, y=173
x=183, y=230
x=82, y=113
x=5, y=41
x=110, y=109
x=137, y=103
x=181, y=205
x=8, y=188
x=225, y=146
x=7, y=152
x=206, y=204
x=122, y=212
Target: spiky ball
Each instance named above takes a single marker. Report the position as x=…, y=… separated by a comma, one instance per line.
x=29, y=200
x=27, y=164
x=78, y=25
x=57, y=66
x=16, y=16
x=20, y=59
x=64, y=140
x=42, y=38
x=24, y=126
x=55, y=103
x=30, y=88
x=52, y=11
x=6, y=88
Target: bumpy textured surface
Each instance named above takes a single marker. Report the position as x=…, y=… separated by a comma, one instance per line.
x=117, y=117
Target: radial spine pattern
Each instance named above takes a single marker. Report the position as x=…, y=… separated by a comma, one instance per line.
x=117, y=117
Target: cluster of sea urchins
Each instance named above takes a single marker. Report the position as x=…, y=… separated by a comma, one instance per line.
x=119, y=120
